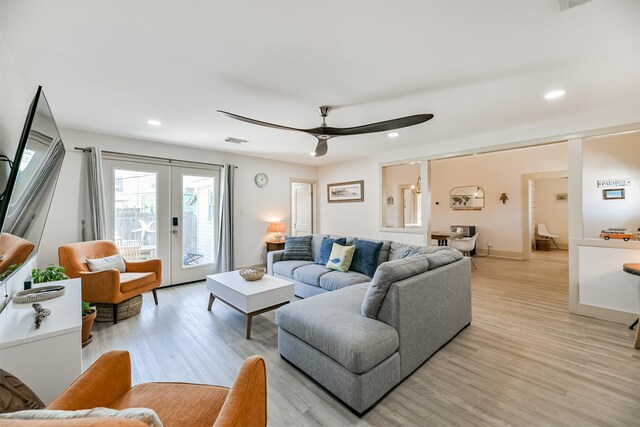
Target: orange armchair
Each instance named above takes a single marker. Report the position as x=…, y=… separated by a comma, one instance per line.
x=107, y=383
x=109, y=286
x=14, y=250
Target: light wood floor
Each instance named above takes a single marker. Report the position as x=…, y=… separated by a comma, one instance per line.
x=524, y=360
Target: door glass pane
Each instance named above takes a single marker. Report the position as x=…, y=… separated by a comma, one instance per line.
x=135, y=213
x=198, y=220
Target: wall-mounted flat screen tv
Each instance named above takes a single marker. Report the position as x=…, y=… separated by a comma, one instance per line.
x=25, y=202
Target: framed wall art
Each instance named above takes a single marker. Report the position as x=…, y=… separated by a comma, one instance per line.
x=340, y=192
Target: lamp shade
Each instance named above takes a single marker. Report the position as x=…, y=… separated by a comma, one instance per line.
x=277, y=227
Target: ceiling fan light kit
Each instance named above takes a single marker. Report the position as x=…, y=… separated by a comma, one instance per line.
x=324, y=133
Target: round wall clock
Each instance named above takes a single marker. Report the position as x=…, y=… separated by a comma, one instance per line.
x=261, y=179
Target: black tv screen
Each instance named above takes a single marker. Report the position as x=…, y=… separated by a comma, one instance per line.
x=26, y=200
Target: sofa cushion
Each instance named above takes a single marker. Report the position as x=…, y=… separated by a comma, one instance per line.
x=297, y=248
x=338, y=279
x=326, y=247
x=310, y=274
x=443, y=257
x=365, y=258
x=133, y=281
x=385, y=251
x=286, y=268
x=332, y=323
x=316, y=242
x=386, y=274
x=340, y=257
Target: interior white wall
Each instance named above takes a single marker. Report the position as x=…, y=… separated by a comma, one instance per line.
x=554, y=214
x=254, y=207
x=611, y=157
x=499, y=224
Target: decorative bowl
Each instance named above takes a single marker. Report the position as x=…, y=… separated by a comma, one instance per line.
x=252, y=273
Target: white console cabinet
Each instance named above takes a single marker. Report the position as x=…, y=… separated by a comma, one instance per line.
x=48, y=359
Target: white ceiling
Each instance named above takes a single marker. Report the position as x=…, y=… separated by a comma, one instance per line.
x=477, y=65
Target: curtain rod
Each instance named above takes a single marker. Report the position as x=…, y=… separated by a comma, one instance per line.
x=84, y=150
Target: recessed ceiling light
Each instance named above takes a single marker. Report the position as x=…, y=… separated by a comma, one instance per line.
x=154, y=122
x=554, y=94
x=313, y=153
x=393, y=134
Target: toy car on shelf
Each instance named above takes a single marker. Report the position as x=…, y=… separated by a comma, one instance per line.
x=616, y=233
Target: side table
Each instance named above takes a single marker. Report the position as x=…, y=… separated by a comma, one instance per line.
x=634, y=268
x=274, y=246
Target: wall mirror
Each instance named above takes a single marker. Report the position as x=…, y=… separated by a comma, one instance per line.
x=401, y=197
x=466, y=198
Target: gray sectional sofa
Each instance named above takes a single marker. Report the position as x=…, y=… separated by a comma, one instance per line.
x=359, y=336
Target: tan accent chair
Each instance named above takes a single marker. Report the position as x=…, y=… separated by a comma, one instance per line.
x=109, y=286
x=14, y=250
x=107, y=383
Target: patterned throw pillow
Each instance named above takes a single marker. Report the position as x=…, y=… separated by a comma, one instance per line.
x=409, y=252
x=340, y=257
x=113, y=262
x=325, y=249
x=365, y=258
x=297, y=248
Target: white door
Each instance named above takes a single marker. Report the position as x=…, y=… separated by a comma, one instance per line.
x=301, y=208
x=138, y=206
x=194, y=223
x=166, y=212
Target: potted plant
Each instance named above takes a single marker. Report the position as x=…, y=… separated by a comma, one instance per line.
x=88, y=316
x=53, y=273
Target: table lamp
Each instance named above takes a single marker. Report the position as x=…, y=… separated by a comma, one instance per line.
x=278, y=229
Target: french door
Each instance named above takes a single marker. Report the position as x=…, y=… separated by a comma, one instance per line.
x=194, y=223
x=163, y=211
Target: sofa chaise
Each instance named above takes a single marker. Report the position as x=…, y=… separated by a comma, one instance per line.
x=359, y=354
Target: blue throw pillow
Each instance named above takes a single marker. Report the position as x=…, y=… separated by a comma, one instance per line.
x=365, y=258
x=325, y=249
x=297, y=248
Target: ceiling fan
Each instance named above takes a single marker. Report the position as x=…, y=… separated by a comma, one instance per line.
x=324, y=133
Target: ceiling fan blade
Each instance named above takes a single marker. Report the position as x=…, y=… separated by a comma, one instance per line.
x=258, y=122
x=373, y=127
x=321, y=148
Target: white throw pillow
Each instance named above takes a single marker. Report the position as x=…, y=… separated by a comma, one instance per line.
x=146, y=415
x=113, y=262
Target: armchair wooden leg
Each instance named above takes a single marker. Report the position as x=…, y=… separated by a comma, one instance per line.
x=115, y=313
x=155, y=296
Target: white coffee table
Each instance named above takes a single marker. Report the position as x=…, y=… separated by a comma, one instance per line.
x=249, y=298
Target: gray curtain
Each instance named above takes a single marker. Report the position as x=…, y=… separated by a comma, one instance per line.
x=224, y=252
x=96, y=195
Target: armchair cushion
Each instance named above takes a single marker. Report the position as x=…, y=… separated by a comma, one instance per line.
x=132, y=281
x=113, y=262
x=175, y=403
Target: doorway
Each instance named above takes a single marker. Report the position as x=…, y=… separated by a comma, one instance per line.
x=164, y=211
x=545, y=199
x=302, y=207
